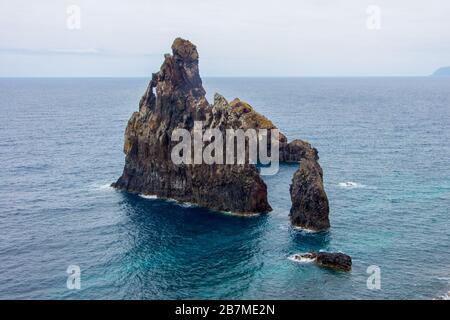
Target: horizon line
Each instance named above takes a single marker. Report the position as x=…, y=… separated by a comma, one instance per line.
x=231, y=77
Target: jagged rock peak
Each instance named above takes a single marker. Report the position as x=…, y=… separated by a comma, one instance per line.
x=175, y=99
x=310, y=207
x=220, y=100
x=181, y=68
x=184, y=50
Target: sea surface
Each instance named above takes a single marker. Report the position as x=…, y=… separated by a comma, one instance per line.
x=384, y=145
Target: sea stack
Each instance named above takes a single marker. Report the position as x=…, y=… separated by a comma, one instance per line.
x=309, y=208
x=175, y=99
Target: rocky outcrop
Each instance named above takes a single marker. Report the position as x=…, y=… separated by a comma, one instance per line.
x=296, y=150
x=337, y=261
x=175, y=99
x=442, y=72
x=309, y=208
x=241, y=115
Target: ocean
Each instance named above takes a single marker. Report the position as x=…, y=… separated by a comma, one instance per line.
x=384, y=149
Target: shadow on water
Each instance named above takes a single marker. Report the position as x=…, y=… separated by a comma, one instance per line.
x=180, y=251
x=185, y=250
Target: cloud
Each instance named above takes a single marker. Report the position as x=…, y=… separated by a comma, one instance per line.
x=76, y=52
x=234, y=37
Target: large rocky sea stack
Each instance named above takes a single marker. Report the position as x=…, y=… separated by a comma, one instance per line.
x=175, y=99
x=309, y=201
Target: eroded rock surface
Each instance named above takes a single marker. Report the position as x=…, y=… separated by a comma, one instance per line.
x=333, y=260
x=175, y=98
x=309, y=208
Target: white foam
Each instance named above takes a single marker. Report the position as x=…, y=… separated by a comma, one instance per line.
x=444, y=279
x=101, y=186
x=150, y=197
x=444, y=297
x=305, y=230
x=242, y=215
x=351, y=185
x=193, y=205
x=176, y=202
x=186, y=204
x=299, y=258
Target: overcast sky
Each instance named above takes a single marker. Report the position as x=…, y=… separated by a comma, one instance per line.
x=234, y=37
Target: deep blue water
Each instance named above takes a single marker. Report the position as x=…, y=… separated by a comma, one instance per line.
x=61, y=146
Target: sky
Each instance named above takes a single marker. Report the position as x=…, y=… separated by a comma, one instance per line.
x=293, y=38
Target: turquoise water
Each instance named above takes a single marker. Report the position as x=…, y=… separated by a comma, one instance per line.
x=61, y=146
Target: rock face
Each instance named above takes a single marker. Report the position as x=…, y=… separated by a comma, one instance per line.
x=310, y=208
x=175, y=99
x=338, y=261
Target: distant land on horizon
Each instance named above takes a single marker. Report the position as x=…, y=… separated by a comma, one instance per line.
x=442, y=72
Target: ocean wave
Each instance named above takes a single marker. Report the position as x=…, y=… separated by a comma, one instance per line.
x=186, y=204
x=444, y=279
x=351, y=185
x=102, y=186
x=301, y=258
x=305, y=230
x=106, y=186
x=242, y=215
x=148, y=196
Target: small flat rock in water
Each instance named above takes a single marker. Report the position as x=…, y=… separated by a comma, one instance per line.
x=334, y=260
